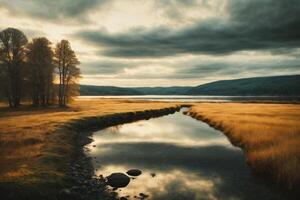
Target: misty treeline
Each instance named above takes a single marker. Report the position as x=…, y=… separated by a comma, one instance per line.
x=36, y=71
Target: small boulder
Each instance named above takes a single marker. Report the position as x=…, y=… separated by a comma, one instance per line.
x=134, y=172
x=118, y=180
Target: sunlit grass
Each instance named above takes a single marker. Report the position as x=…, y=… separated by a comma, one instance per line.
x=268, y=133
x=35, y=149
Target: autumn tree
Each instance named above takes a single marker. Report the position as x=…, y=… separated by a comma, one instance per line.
x=12, y=54
x=68, y=72
x=41, y=68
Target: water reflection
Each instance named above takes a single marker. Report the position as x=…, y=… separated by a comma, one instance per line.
x=176, y=128
x=181, y=158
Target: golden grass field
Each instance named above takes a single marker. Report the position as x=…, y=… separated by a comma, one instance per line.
x=268, y=133
x=34, y=149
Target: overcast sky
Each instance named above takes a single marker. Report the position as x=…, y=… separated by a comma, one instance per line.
x=166, y=42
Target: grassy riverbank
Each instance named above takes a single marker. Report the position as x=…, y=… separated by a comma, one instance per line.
x=269, y=134
x=36, y=144
x=36, y=150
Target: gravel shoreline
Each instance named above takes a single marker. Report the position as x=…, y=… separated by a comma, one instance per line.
x=84, y=185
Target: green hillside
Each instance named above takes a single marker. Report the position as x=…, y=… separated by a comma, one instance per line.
x=176, y=90
x=267, y=86
x=91, y=90
x=258, y=86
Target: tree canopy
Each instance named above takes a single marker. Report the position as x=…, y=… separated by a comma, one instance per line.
x=27, y=70
x=12, y=55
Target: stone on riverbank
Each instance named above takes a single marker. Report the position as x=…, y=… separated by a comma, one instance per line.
x=134, y=172
x=118, y=180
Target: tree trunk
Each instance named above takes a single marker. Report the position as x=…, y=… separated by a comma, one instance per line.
x=60, y=88
x=9, y=100
x=48, y=88
x=63, y=82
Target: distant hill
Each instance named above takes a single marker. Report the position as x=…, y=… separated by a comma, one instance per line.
x=175, y=90
x=258, y=86
x=91, y=90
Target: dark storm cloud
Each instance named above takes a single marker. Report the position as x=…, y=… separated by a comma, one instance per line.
x=198, y=68
x=77, y=9
x=52, y=9
x=172, y=8
x=208, y=69
x=270, y=25
x=105, y=67
x=177, y=2
x=235, y=69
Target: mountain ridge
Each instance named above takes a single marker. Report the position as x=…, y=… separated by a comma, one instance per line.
x=288, y=85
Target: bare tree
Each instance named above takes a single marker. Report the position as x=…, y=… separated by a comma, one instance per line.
x=41, y=68
x=66, y=63
x=12, y=54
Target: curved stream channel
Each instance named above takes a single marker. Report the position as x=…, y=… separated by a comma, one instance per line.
x=180, y=158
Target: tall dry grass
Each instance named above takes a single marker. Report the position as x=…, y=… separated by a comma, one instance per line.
x=34, y=149
x=268, y=133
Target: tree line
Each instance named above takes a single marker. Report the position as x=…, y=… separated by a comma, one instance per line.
x=36, y=71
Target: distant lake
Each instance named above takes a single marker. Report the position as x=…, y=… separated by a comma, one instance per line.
x=187, y=98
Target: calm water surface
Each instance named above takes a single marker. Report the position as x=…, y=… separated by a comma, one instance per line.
x=199, y=98
x=180, y=158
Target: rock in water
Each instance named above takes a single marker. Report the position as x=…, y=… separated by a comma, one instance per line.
x=118, y=180
x=134, y=172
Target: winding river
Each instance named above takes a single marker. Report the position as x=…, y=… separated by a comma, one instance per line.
x=180, y=159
